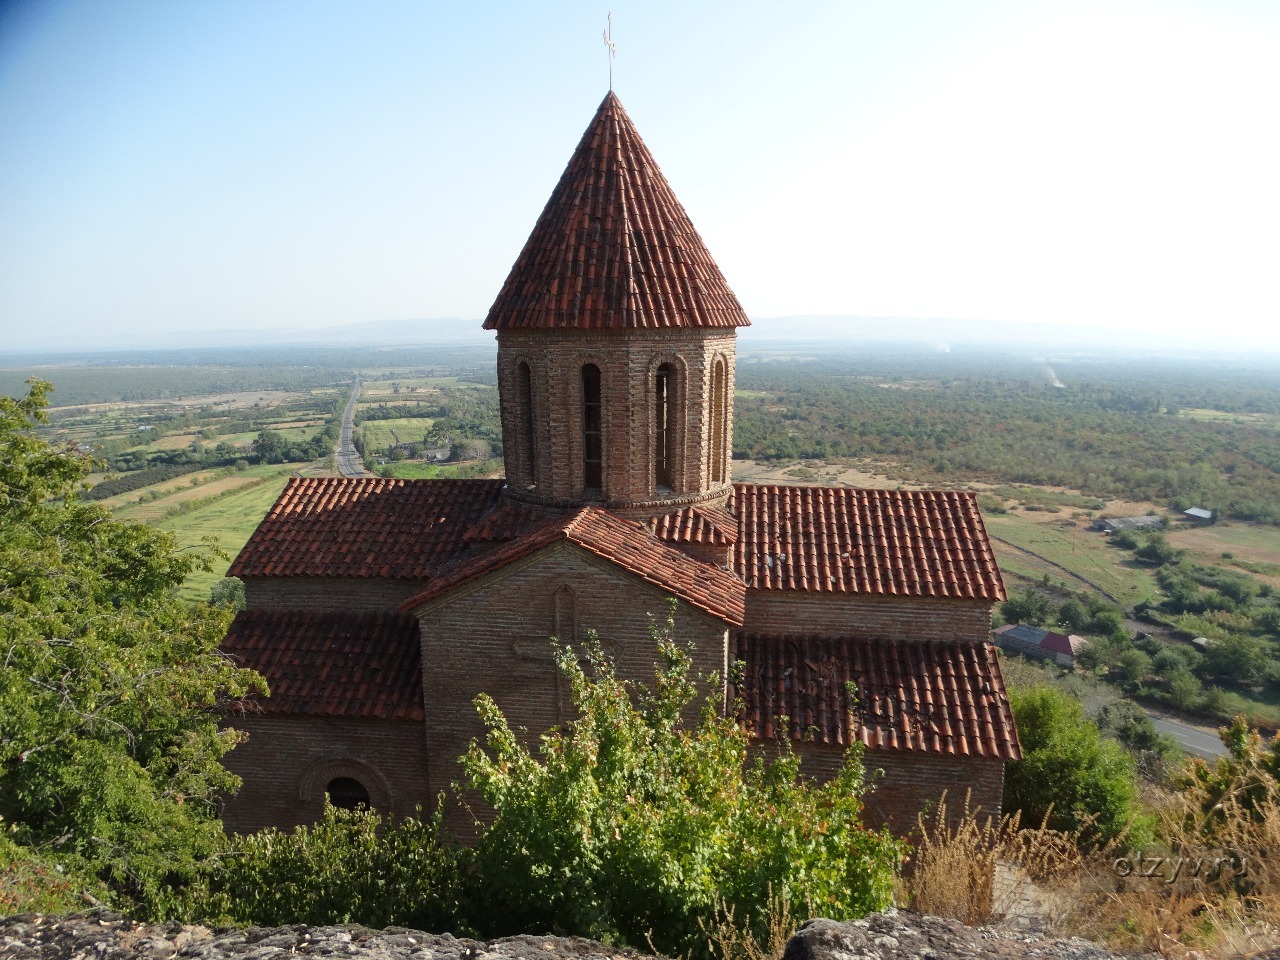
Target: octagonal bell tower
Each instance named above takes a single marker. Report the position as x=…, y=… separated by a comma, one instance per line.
x=616, y=339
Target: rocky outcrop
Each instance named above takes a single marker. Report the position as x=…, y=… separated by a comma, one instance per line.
x=891, y=935
x=896, y=935
x=103, y=936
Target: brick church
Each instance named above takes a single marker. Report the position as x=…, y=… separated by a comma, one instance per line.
x=378, y=609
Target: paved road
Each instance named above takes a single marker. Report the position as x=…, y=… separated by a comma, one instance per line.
x=1194, y=740
x=345, y=456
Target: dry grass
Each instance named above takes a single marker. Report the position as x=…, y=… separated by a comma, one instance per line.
x=957, y=865
x=1210, y=888
x=730, y=939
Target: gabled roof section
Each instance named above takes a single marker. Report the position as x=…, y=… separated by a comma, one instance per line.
x=613, y=248
x=842, y=540
x=930, y=697
x=365, y=527
x=620, y=541
x=332, y=663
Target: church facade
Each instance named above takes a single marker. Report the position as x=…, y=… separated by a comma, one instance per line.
x=379, y=609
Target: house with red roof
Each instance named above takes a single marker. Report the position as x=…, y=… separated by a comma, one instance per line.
x=379, y=609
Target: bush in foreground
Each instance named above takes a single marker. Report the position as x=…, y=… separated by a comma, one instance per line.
x=635, y=826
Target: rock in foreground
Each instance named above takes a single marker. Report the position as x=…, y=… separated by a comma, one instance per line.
x=896, y=935
x=892, y=935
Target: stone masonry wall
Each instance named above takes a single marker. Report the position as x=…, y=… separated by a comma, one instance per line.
x=796, y=613
x=628, y=362
x=288, y=761
x=912, y=782
x=492, y=636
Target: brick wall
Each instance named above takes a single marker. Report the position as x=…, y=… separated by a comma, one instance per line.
x=329, y=593
x=793, y=612
x=288, y=761
x=912, y=782
x=492, y=636
x=628, y=362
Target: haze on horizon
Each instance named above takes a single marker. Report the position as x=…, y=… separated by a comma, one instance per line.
x=179, y=167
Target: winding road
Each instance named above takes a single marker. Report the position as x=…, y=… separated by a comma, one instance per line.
x=345, y=456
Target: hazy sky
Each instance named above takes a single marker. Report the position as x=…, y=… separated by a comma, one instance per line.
x=181, y=166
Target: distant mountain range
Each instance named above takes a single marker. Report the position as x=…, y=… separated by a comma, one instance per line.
x=834, y=333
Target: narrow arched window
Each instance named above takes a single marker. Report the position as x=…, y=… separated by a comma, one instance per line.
x=347, y=793
x=528, y=443
x=663, y=427
x=592, y=445
x=719, y=405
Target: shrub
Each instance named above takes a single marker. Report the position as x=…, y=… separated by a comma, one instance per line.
x=351, y=866
x=1069, y=777
x=637, y=825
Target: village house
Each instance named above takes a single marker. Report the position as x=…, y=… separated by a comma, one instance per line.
x=379, y=609
x=1040, y=643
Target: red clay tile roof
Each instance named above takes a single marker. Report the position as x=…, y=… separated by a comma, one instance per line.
x=696, y=525
x=365, y=527
x=332, y=664
x=842, y=540
x=620, y=541
x=911, y=695
x=506, y=522
x=613, y=248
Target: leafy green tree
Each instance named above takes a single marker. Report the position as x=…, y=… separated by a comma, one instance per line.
x=1069, y=770
x=1158, y=550
x=228, y=593
x=109, y=748
x=1072, y=615
x=637, y=822
x=1133, y=665
x=270, y=446
x=1238, y=658
x=1029, y=606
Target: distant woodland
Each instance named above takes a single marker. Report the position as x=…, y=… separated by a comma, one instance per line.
x=1178, y=436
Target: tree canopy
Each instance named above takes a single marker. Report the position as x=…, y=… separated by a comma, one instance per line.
x=109, y=740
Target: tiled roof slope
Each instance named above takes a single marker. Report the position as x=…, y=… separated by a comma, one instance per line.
x=613, y=248
x=931, y=696
x=365, y=527
x=842, y=540
x=332, y=664
x=620, y=541
x=695, y=525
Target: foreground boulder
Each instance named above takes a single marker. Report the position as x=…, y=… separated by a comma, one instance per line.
x=895, y=935
x=892, y=935
x=104, y=936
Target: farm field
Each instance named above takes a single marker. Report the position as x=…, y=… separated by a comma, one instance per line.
x=146, y=509
x=1252, y=548
x=384, y=434
x=229, y=520
x=1069, y=554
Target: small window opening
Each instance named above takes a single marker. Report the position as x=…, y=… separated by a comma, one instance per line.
x=347, y=793
x=664, y=433
x=592, y=446
x=529, y=441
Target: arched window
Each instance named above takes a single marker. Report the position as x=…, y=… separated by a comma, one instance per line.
x=528, y=443
x=592, y=445
x=663, y=427
x=719, y=406
x=347, y=793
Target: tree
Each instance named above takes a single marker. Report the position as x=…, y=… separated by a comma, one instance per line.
x=1029, y=606
x=270, y=446
x=109, y=748
x=1238, y=658
x=636, y=822
x=1068, y=770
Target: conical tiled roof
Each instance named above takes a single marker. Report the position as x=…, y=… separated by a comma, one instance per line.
x=613, y=248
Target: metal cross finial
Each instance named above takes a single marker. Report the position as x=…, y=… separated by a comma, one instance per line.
x=613, y=49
